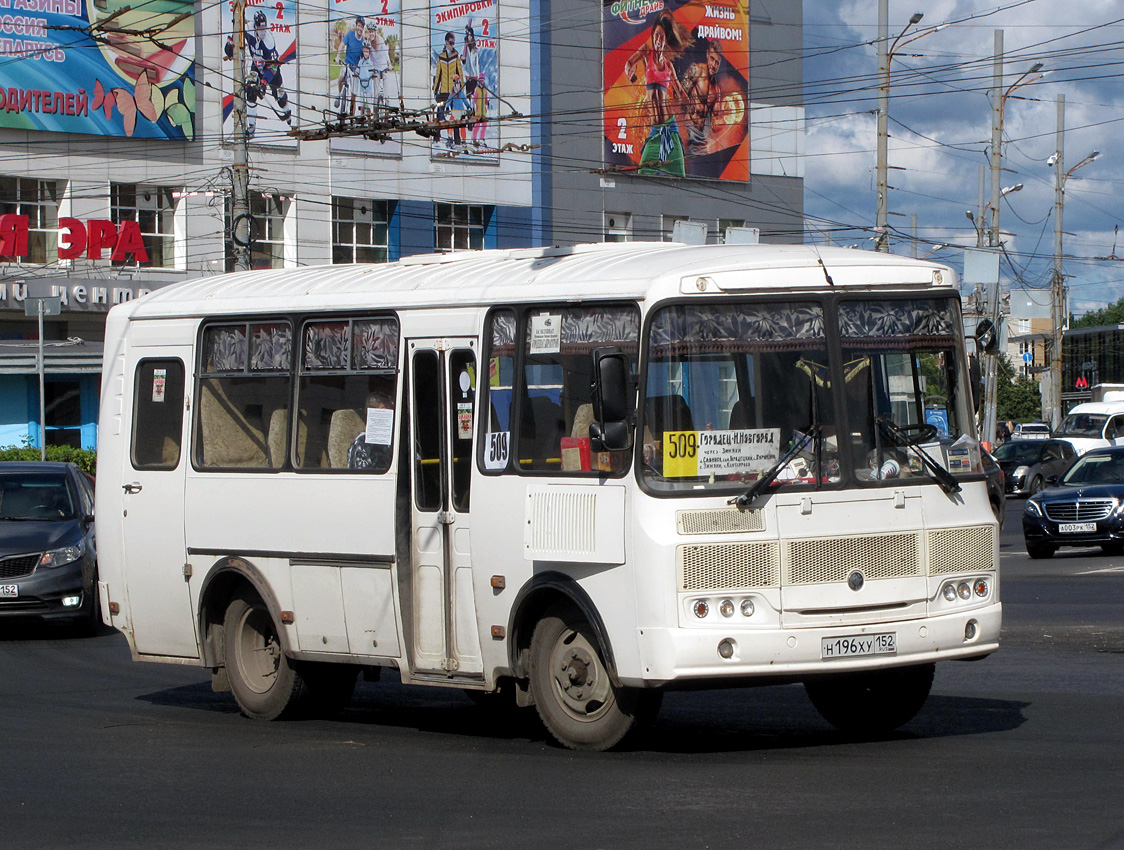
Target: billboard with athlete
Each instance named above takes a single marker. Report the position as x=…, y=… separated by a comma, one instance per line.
x=270, y=68
x=676, y=88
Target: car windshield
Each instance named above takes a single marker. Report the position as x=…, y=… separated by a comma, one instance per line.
x=1083, y=425
x=35, y=496
x=1021, y=452
x=1096, y=469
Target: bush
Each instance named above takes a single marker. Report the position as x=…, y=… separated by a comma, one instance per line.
x=84, y=459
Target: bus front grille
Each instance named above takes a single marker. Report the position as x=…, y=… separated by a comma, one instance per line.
x=961, y=550
x=822, y=560
x=719, y=521
x=728, y=566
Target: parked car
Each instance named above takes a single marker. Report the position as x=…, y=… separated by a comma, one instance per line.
x=1028, y=463
x=48, y=556
x=996, y=487
x=1082, y=509
x=1031, y=431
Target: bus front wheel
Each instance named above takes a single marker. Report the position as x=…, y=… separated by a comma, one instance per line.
x=574, y=696
x=873, y=702
x=264, y=682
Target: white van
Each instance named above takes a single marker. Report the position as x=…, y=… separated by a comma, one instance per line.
x=1093, y=425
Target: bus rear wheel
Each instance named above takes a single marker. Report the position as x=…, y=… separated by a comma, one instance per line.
x=574, y=695
x=265, y=683
x=873, y=702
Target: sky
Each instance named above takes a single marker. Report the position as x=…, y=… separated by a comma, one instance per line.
x=940, y=120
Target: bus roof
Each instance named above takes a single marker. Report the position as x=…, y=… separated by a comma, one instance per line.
x=651, y=270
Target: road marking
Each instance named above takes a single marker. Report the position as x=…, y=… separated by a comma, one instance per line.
x=1105, y=570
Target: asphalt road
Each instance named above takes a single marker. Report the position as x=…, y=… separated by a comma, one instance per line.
x=1021, y=750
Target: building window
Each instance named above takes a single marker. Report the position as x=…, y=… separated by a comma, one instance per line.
x=63, y=406
x=618, y=227
x=39, y=201
x=267, y=231
x=153, y=208
x=458, y=227
x=360, y=231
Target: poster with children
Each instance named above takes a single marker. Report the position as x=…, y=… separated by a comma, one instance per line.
x=464, y=76
x=364, y=65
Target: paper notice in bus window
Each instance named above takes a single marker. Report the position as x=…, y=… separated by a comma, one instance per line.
x=690, y=454
x=464, y=420
x=380, y=426
x=496, y=449
x=159, y=382
x=546, y=334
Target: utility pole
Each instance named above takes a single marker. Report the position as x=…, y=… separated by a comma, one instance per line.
x=881, y=240
x=240, y=219
x=991, y=370
x=1057, y=289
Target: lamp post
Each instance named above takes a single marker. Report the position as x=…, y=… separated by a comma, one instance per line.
x=998, y=103
x=1052, y=398
x=885, y=53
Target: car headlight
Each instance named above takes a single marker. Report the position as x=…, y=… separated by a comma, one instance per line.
x=61, y=557
x=1021, y=472
x=1032, y=508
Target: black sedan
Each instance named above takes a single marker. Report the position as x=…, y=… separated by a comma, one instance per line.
x=1085, y=508
x=1028, y=463
x=48, y=559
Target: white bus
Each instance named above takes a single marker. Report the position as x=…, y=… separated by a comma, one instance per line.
x=575, y=477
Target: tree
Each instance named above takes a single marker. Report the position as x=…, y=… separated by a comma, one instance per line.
x=1113, y=314
x=1018, y=398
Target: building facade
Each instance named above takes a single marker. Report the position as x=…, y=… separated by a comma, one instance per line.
x=549, y=123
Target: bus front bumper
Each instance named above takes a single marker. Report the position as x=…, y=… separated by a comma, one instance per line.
x=676, y=655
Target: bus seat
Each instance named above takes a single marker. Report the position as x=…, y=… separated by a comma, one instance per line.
x=582, y=420
x=548, y=428
x=230, y=438
x=667, y=413
x=345, y=426
x=741, y=415
x=277, y=436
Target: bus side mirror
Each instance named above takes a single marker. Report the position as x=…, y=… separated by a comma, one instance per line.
x=614, y=391
x=987, y=336
x=975, y=378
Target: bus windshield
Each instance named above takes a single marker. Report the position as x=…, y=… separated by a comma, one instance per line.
x=732, y=388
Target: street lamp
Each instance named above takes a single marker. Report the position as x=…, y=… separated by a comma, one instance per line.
x=884, y=55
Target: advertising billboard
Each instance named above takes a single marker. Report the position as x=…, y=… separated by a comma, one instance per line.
x=676, y=88
x=464, y=75
x=269, y=63
x=364, y=67
x=104, y=68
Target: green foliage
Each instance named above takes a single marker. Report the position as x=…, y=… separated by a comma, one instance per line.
x=1018, y=397
x=84, y=459
x=1113, y=314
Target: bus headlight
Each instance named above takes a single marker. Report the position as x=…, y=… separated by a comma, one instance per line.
x=726, y=608
x=747, y=607
x=964, y=589
x=949, y=592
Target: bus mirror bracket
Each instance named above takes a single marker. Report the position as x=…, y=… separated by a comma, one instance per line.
x=613, y=393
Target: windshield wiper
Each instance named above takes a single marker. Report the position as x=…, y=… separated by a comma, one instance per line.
x=746, y=499
x=944, y=479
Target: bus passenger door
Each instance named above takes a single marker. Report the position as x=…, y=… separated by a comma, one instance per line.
x=444, y=636
x=153, y=524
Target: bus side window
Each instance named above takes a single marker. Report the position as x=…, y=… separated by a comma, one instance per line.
x=496, y=444
x=346, y=395
x=158, y=414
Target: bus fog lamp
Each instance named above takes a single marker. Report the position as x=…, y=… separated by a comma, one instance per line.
x=726, y=648
x=747, y=607
x=726, y=608
x=949, y=592
x=964, y=589
x=970, y=630
x=701, y=608
x=981, y=587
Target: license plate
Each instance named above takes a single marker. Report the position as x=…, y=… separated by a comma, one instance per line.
x=9, y=591
x=851, y=646
x=1076, y=527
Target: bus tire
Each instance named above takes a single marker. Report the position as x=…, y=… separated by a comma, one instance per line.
x=872, y=702
x=265, y=683
x=574, y=696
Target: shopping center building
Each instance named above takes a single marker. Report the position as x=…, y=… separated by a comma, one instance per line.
x=580, y=122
